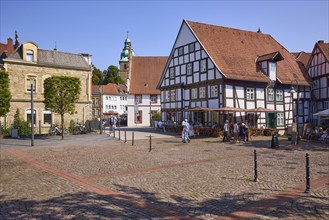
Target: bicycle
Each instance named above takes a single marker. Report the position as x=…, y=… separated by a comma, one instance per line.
x=80, y=129
x=56, y=130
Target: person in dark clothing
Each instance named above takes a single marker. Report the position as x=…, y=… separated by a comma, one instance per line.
x=242, y=132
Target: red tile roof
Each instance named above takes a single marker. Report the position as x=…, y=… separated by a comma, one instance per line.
x=234, y=52
x=324, y=47
x=145, y=74
x=109, y=89
x=9, y=47
x=302, y=57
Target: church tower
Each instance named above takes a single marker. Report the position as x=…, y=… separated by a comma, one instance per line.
x=125, y=60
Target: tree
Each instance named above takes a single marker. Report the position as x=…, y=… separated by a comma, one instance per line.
x=112, y=76
x=5, y=95
x=61, y=93
x=97, y=78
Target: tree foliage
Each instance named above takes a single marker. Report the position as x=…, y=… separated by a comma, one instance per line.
x=61, y=93
x=5, y=95
x=111, y=75
x=97, y=78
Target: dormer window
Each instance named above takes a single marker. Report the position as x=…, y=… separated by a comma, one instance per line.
x=268, y=64
x=29, y=55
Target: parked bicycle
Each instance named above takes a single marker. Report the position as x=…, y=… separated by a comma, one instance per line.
x=57, y=130
x=80, y=129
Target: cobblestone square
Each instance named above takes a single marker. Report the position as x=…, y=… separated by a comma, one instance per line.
x=100, y=177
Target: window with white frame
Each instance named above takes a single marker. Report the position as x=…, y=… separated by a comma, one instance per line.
x=189, y=69
x=279, y=95
x=47, y=117
x=202, y=92
x=30, y=55
x=180, y=51
x=172, y=73
x=250, y=93
x=96, y=101
x=153, y=98
x=31, y=80
x=203, y=65
x=270, y=95
x=29, y=116
x=194, y=93
x=138, y=98
x=326, y=104
x=214, y=91
x=280, y=119
x=191, y=47
x=173, y=95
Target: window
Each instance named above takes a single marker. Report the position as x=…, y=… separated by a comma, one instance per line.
x=138, y=98
x=97, y=112
x=47, y=118
x=107, y=98
x=29, y=116
x=202, y=92
x=153, y=98
x=173, y=95
x=167, y=96
x=30, y=56
x=214, y=91
x=326, y=104
x=280, y=119
x=31, y=80
x=171, y=73
x=272, y=67
x=191, y=48
x=113, y=98
x=250, y=94
x=203, y=65
x=96, y=101
x=189, y=68
x=279, y=95
x=125, y=66
x=180, y=51
x=270, y=95
x=194, y=93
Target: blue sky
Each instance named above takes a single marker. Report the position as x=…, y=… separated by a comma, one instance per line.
x=100, y=27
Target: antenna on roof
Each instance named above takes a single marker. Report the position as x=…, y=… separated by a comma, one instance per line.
x=127, y=34
x=55, y=46
x=259, y=31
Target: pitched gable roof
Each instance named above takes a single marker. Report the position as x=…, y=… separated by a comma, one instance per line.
x=234, y=53
x=145, y=74
x=54, y=58
x=324, y=47
x=109, y=89
x=302, y=57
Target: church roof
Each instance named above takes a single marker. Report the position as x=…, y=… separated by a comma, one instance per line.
x=146, y=73
x=234, y=52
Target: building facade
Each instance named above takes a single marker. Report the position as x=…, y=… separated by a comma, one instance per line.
x=318, y=69
x=110, y=99
x=214, y=67
x=28, y=65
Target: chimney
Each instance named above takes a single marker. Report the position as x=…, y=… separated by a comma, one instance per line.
x=9, y=42
x=320, y=41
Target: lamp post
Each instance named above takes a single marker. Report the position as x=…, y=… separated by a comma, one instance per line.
x=32, y=117
x=292, y=91
x=100, y=111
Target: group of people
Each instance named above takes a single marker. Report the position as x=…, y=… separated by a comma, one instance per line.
x=239, y=131
x=317, y=133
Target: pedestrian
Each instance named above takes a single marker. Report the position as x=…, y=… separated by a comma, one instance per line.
x=236, y=132
x=226, y=131
x=185, y=131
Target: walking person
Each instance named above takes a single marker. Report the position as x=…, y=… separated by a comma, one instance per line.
x=226, y=131
x=236, y=132
x=185, y=132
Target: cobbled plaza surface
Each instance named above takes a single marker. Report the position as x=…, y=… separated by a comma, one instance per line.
x=100, y=177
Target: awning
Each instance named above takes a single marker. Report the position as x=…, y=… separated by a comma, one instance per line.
x=198, y=109
x=261, y=109
x=324, y=113
x=230, y=109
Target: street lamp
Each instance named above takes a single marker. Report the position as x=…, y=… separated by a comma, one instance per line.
x=100, y=110
x=292, y=91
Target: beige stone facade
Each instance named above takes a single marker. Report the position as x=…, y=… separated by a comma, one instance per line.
x=20, y=74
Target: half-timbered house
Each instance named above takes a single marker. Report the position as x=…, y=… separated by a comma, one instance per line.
x=214, y=67
x=318, y=69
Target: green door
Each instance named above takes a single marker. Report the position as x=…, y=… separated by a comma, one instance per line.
x=271, y=120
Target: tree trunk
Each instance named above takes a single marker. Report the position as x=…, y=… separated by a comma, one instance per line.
x=62, y=124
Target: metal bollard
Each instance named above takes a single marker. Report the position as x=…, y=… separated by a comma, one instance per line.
x=125, y=136
x=150, y=144
x=308, y=178
x=113, y=132
x=132, y=139
x=119, y=134
x=255, y=167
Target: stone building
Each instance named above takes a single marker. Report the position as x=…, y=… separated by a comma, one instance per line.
x=28, y=65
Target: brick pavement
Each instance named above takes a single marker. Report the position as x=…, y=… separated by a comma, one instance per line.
x=105, y=178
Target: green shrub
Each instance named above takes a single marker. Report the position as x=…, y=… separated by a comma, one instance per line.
x=24, y=127
x=71, y=126
x=156, y=116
